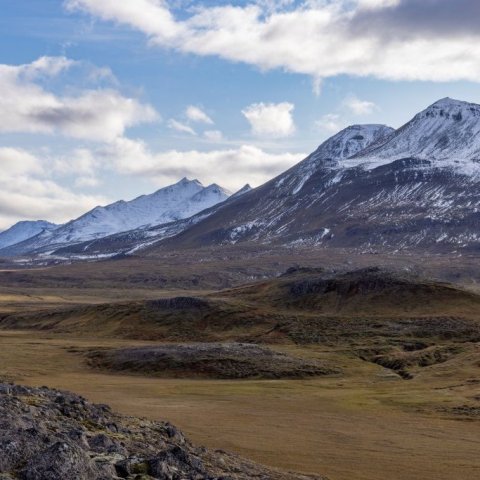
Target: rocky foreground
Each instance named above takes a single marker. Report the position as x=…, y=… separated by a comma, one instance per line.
x=52, y=435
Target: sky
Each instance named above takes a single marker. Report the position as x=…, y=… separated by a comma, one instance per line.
x=102, y=100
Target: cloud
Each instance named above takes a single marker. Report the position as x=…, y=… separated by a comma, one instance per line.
x=99, y=115
x=213, y=135
x=27, y=192
x=331, y=123
x=180, y=127
x=81, y=163
x=374, y=4
x=359, y=107
x=231, y=168
x=195, y=114
x=431, y=40
x=427, y=18
x=270, y=119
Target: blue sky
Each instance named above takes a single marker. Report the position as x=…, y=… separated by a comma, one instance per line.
x=106, y=99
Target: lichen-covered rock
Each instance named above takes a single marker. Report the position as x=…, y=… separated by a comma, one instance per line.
x=51, y=435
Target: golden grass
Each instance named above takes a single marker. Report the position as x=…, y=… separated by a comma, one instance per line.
x=368, y=424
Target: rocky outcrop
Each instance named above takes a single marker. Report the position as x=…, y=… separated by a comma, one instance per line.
x=210, y=360
x=52, y=435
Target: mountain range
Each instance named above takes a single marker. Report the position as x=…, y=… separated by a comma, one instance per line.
x=169, y=204
x=369, y=187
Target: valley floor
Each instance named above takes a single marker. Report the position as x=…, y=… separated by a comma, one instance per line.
x=365, y=424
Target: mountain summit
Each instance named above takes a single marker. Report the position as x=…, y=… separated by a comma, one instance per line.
x=23, y=230
x=175, y=202
x=447, y=133
x=369, y=187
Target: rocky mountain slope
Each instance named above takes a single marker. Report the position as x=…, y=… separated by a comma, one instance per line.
x=51, y=435
x=347, y=142
x=24, y=230
x=369, y=188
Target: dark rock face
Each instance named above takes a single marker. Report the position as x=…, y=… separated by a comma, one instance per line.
x=178, y=303
x=51, y=435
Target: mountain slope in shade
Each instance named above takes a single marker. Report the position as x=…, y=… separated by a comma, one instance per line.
x=368, y=187
x=24, y=230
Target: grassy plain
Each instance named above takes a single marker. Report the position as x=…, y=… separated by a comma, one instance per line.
x=365, y=423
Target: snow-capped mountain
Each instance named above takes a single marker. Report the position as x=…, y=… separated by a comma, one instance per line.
x=368, y=187
x=138, y=239
x=351, y=140
x=24, y=230
x=245, y=189
x=175, y=202
x=447, y=133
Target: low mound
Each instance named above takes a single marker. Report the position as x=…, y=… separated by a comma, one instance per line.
x=405, y=361
x=50, y=435
x=301, y=306
x=365, y=291
x=208, y=360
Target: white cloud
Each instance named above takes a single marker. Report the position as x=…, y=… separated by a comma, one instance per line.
x=80, y=163
x=213, y=135
x=99, y=115
x=373, y=4
x=88, y=182
x=196, y=114
x=359, y=107
x=231, y=168
x=331, y=123
x=28, y=193
x=180, y=127
x=271, y=119
x=378, y=38
x=14, y=161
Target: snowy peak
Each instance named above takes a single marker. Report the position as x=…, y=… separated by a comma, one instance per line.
x=174, y=202
x=351, y=140
x=210, y=196
x=245, y=189
x=184, y=188
x=447, y=134
x=216, y=189
x=24, y=230
x=451, y=109
x=333, y=154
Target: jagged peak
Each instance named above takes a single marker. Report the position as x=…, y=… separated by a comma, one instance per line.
x=351, y=140
x=215, y=187
x=187, y=181
x=450, y=108
x=245, y=189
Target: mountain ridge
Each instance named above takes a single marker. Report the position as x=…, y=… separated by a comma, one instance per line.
x=174, y=202
x=369, y=188
x=405, y=189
